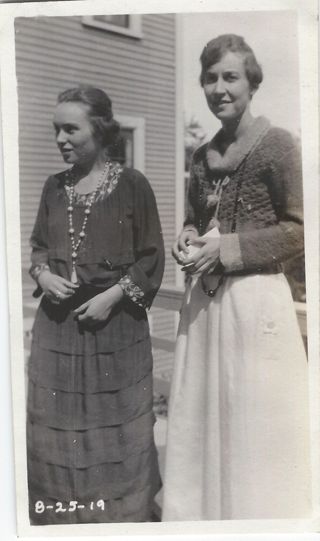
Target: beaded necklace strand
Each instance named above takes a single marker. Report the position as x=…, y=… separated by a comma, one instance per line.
x=75, y=244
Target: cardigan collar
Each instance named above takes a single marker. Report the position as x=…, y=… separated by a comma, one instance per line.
x=238, y=150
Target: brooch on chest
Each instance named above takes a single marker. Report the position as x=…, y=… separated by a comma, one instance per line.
x=214, y=198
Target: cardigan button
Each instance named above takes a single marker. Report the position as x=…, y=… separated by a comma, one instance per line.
x=109, y=264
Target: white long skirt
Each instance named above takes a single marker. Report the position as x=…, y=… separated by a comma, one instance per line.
x=238, y=439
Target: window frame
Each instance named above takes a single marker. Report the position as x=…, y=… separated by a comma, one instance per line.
x=137, y=125
x=134, y=30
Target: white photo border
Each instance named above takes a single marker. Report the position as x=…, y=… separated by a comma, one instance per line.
x=307, y=19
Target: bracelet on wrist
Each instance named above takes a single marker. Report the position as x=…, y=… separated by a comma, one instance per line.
x=37, y=270
x=190, y=228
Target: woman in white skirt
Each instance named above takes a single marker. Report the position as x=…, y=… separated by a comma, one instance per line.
x=238, y=418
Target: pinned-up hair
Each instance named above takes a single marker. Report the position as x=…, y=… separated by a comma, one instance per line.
x=105, y=128
x=218, y=47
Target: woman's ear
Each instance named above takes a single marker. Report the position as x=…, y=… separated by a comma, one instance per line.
x=252, y=92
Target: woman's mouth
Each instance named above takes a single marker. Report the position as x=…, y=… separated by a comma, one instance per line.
x=220, y=103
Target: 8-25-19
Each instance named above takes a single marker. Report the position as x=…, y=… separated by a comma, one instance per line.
x=71, y=506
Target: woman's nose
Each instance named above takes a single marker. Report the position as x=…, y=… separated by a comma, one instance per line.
x=61, y=137
x=219, y=86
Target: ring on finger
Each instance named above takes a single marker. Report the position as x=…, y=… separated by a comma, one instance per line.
x=58, y=294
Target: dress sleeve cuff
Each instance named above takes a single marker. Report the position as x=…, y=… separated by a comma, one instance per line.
x=230, y=252
x=189, y=227
x=134, y=292
x=36, y=270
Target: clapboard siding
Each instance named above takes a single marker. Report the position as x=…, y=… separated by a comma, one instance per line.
x=164, y=328
x=51, y=82
x=55, y=53
x=162, y=51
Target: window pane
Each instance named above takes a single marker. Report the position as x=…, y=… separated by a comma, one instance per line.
x=117, y=20
x=122, y=151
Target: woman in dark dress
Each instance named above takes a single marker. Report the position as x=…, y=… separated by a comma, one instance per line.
x=98, y=259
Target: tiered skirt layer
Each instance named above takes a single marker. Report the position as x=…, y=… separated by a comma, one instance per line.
x=90, y=420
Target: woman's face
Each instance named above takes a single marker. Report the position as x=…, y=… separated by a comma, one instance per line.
x=227, y=88
x=74, y=135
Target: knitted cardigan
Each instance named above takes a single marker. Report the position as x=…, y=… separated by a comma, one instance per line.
x=260, y=211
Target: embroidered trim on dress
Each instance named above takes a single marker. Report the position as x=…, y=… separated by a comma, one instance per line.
x=133, y=291
x=106, y=187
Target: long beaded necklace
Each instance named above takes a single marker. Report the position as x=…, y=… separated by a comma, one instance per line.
x=213, y=201
x=75, y=243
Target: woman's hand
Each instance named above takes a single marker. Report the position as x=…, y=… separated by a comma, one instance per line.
x=56, y=288
x=181, y=244
x=205, y=258
x=97, y=309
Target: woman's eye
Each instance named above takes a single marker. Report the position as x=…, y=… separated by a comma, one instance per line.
x=231, y=77
x=210, y=79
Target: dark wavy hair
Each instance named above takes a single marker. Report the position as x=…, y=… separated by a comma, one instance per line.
x=218, y=47
x=100, y=115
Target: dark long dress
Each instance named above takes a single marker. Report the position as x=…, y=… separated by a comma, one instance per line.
x=90, y=420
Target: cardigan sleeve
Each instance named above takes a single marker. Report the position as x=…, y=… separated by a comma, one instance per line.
x=260, y=248
x=143, y=278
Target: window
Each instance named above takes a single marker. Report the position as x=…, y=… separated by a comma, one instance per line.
x=129, y=150
x=129, y=25
x=122, y=151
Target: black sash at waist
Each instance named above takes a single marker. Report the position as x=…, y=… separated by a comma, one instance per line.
x=274, y=268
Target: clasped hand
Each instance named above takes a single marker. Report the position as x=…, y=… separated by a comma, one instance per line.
x=95, y=310
x=56, y=288
x=98, y=308
x=205, y=258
